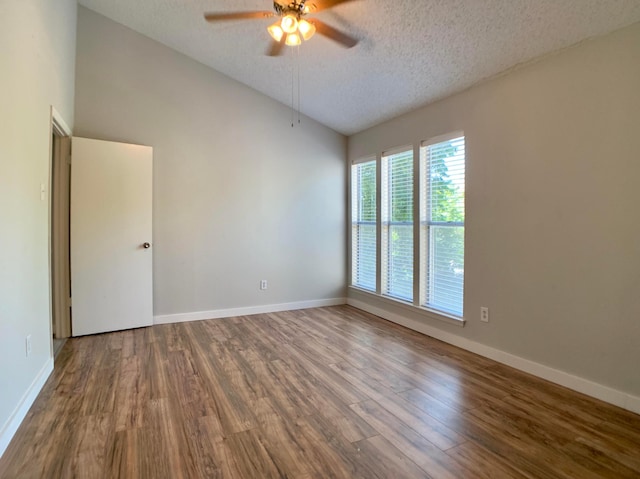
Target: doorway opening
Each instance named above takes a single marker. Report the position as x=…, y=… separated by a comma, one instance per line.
x=59, y=244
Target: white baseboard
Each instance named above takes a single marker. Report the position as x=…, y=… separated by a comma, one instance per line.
x=576, y=383
x=14, y=421
x=246, y=311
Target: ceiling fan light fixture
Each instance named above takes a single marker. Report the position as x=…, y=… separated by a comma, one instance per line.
x=289, y=23
x=291, y=27
x=293, y=39
x=306, y=29
x=275, y=31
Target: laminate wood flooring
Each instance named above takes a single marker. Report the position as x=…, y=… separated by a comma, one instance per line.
x=312, y=394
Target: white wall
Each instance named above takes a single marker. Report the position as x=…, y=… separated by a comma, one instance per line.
x=37, y=57
x=552, y=231
x=239, y=195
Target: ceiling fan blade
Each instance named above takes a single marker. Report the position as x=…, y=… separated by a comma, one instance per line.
x=275, y=49
x=319, y=5
x=216, y=17
x=328, y=31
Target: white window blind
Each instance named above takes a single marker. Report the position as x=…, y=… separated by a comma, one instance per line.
x=363, y=225
x=397, y=225
x=442, y=223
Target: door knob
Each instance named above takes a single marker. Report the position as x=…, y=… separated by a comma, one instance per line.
x=146, y=245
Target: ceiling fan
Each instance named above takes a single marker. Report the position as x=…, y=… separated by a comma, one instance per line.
x=293, y=27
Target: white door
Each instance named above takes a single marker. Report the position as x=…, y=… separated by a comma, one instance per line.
x=111, y=262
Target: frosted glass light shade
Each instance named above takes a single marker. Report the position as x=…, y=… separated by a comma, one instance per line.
x=289, y=23
x=275, y=31
x=306, y=29
x=293, y=39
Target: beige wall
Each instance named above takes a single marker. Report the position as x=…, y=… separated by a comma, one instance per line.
x=37, y=57
x=239, y=195
x=552, y=231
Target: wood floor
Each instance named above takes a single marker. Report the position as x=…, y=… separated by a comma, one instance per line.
x=313, y=394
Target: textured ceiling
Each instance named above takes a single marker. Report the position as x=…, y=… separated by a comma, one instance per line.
x=410, y=53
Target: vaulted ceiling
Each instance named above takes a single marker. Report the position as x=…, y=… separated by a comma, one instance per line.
x=410, y=53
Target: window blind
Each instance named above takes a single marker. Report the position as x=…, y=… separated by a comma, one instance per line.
x=363, y=225
x=398, y=225
x=443, y=183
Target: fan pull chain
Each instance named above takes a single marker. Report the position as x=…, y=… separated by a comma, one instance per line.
x=295, y=70
x=292, y=89
x=298, y=54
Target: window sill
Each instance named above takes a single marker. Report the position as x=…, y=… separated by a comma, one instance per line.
x=425, y=312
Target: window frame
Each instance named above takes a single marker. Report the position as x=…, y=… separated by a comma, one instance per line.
x=419, y=264
x=426, y=246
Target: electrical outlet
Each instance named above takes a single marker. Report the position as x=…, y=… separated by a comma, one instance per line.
x=28, y=344
x=484, y=314
x=263, y=284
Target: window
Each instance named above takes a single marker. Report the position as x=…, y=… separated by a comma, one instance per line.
x=397, y=225
x=363, y=225
x=408, y=243
x=442, y=224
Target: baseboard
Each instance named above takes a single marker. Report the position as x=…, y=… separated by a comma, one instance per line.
x=14, y=421
x=246, y=311
x=576, y=383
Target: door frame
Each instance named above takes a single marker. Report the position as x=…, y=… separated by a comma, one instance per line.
x=59, y=271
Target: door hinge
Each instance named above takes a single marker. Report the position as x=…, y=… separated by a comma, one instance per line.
x=69, y=301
